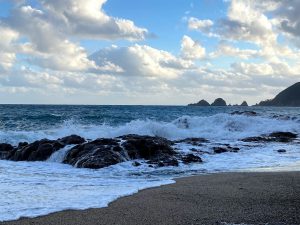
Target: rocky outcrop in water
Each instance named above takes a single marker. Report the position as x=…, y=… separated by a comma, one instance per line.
x=41, y=150
x=245, y=113
x=244, y=103
x=104, y=152
x=219, y=102
x=200, y=103
x=273, y=137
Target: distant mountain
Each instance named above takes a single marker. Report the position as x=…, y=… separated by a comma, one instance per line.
x=219, y=102
x=288, y=97
x=200, y=103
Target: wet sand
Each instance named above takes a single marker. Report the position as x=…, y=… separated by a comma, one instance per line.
x=271, y=198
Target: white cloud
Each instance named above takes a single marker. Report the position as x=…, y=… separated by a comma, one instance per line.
x=86, y=18
x=7, y=53
x=200, y=25
x=191, y=49
x=143, y=60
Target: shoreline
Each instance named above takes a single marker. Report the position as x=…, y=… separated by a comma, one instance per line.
x=218, y=198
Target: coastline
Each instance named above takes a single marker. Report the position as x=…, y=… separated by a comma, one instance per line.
x=237, y=197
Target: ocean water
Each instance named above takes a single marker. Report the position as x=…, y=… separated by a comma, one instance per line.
x=29, y=189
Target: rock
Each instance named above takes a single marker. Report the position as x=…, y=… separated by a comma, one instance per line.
x=288, y=97
x=246, y=113
x=288, y=135
x=135, y=163
x=244, y=103
x=218, y=150
x=146, y=147
x=200, y=103
x=36, y=151
x=273, y=137
x=105, y=152
x=193, y=141
x=219, y=102
x=191, y=158
x=281, y=150
x=71, y=140
x=5, y=150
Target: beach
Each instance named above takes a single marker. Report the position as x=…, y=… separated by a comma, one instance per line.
x=222, y=198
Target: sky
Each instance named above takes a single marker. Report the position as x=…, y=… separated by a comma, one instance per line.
x=150, y=52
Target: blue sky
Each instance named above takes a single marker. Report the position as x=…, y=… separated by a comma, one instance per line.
x=147, y=52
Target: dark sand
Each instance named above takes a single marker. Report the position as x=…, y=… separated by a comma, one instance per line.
x=250, y=198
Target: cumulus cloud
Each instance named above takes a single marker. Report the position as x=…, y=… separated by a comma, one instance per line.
x=48, y=31
x=143, y=60
x=191, y=49
x=200, y=25
x=7, y=47
x=86, y=18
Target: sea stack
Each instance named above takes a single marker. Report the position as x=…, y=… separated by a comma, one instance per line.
x=244, y=103
x=200, y=103
x=219, y=102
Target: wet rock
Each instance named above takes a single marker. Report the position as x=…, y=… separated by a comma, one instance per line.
x=5, y=150
x=71, y=140
x=135, y=163
x=281, y=150
x=36, y=151
x=105, y=152
x=193, y=141
x=273, y=137
x=218, y=150
x=191, y=158
x=246, y=113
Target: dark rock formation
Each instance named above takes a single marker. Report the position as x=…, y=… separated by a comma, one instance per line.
x=5, y=150
x=71, y=140
x=218, y=150
x=246, y=113
x=281, y=150
x=200, y=103
x=193, y=141
x=191, y=158
x=104, y=152
x=288, y=97
x=40, y=150
x=219, y=102
x=244, y=103
x=273, y=137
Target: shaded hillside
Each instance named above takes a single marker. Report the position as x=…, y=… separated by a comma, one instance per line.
x=288, y=97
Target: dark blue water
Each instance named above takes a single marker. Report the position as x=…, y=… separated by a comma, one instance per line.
x=40, y=117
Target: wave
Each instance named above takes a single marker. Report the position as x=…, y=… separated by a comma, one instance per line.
x=216, y=127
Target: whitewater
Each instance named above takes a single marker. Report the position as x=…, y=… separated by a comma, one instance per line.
x=30, y=189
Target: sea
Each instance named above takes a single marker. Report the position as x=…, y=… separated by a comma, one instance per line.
x=30, y=189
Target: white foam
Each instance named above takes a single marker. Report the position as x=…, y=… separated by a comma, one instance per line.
x=216, y=127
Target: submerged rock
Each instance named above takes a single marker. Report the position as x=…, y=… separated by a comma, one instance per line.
x=219, y=150
x=246, y=113
x=191, y=158
x=193, y=141
x=273, y=137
